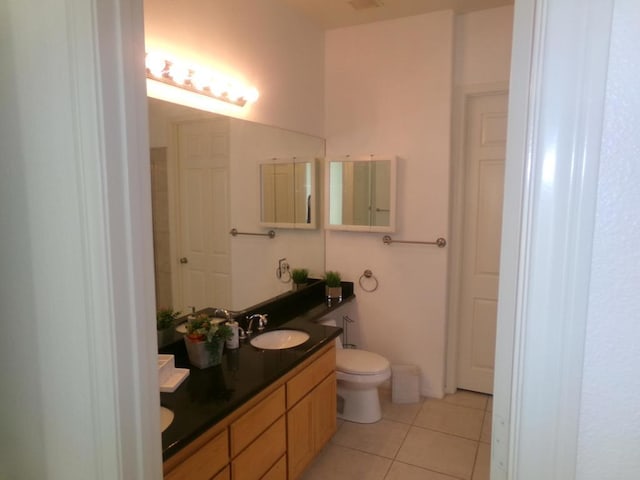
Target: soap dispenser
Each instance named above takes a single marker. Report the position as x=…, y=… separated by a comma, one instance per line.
x=233, y=341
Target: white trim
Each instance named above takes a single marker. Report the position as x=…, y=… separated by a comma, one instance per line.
x=80, y=388
x=460, y=99
x=558, y=79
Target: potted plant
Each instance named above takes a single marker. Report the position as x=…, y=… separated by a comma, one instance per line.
x=165, y=323
x=205, y=341
x=299, y=277
x=333, y=285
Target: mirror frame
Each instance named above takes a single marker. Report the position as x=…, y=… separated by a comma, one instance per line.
x=392, y=193
x=314, y=193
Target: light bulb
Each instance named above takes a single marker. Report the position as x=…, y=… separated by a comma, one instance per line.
x=251, y=95
x=178, y=73
x=234, y=92
x=217, y=86
x=201, y=80
x=155, y=63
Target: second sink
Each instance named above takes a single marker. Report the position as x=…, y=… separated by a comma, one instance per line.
x=280, y=339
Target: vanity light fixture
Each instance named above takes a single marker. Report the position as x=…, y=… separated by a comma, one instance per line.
x=198, y=80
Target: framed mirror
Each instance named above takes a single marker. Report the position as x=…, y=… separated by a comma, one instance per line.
x=288, y=193
x=361, y=194
x=205, y=181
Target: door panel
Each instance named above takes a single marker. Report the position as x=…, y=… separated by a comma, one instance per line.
x=203, y=240
x=484, y=151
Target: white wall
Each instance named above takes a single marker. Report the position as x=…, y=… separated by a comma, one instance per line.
x=259, y=42
x=483, y=46
x=609, y=414
x=388, y=91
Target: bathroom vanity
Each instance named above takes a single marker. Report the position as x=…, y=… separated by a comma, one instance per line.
x=261, y=413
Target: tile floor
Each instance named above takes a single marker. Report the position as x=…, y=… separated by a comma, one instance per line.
x=446, y=439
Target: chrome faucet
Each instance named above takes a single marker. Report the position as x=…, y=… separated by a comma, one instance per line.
x=262, y=321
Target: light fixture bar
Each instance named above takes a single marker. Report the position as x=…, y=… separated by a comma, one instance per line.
x=198, y=80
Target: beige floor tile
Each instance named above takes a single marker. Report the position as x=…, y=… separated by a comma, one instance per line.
x=402, y=471
x=398, y=412
x=382, y=438
x=440, y=452
x=466, y=398
x=482, y=468
x=485, y=435
x=341, y=463
x=449, y=418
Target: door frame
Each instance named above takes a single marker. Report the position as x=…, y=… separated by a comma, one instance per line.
x=461, y=96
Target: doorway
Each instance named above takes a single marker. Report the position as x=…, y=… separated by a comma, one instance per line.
x=202, y=274
x=477, y=220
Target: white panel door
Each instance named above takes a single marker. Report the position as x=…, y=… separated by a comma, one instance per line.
x=203, y=239
x=484, y=150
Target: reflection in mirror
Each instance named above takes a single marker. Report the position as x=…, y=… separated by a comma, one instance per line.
x=361, y=194
x=288, y=193
x=205, y=181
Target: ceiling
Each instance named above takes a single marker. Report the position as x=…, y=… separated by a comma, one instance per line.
x=329, y=14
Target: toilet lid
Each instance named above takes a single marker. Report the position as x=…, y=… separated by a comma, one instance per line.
x=360, y=362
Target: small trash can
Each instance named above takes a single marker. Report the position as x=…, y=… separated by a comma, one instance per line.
x=405, y=384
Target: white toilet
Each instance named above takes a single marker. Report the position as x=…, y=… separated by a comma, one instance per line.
x=359, y=375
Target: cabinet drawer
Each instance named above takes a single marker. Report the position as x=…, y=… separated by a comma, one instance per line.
x=255, y=421
x=223, y=475
x=261, y=455
x=278, y=471
x=311, y=376
x=205, y=462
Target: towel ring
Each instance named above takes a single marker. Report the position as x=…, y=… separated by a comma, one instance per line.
x=368, y=274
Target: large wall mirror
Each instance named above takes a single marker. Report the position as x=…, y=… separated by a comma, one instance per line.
x=206, y=181
x=361, y=194
x=288, y=193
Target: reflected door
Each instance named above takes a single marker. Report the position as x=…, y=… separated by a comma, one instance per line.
x=204, y=265
x=485, y=140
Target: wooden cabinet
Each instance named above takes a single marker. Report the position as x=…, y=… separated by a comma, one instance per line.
x=247, y=428
x=278, y=471
x=205, y=462
x=311, y=416
x=262, y=454
x=272, y=437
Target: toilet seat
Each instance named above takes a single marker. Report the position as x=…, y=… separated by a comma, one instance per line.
x=360, y=362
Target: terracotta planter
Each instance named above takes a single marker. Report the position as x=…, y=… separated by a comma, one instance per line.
x=203, y=354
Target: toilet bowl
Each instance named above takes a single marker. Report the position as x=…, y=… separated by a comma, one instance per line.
x=359, y=374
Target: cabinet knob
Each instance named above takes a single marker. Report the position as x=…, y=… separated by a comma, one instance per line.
x=184, y=260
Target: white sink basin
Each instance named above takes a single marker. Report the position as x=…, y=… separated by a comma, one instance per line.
x=280, y=339
x=166, y=417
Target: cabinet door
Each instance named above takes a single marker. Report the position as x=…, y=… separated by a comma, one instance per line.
x=324, y=411
x=278, y=471
x=311, y=376
x=300, y=441
x=311, y=423
x=223, y=475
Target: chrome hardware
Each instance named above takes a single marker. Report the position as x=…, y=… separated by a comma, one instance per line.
x=234, y=232
x=262, y=321
x=440, y=242
x=368, y=274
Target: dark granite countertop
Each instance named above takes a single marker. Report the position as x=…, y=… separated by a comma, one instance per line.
x=208, y=395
